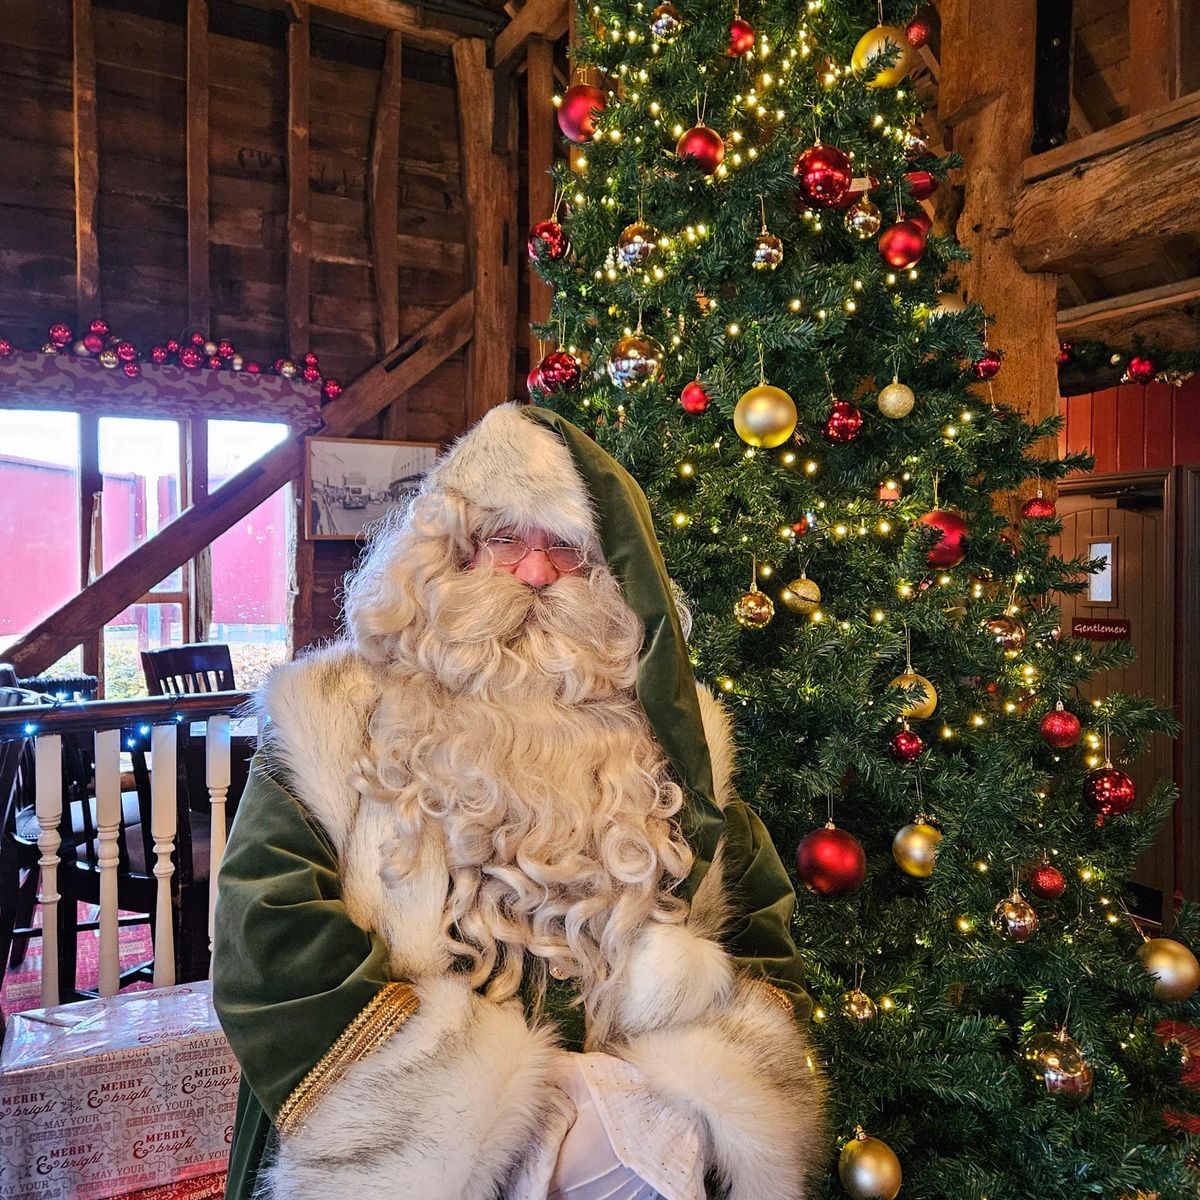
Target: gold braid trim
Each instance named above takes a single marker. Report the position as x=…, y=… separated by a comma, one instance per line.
x=389, y=1008
x=777, y=995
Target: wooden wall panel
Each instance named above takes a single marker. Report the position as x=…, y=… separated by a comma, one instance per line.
x=1135, y=428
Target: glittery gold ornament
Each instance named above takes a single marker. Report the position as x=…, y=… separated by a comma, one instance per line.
x=896, y=400
x=915, y=849
x=801, y=596
x=865, y=219
x=883, y=39
x=922, y=707
x=1174, y=967
x=765, y=416
x=1055, y=1061
x=869, y=1168
x=1015, y=917
x=109, y=359
x=858, y=1006
x=1010, y=635
x=768, y=252
x=636, y=245
x=665, y=22
x=753, y=609
x=634, y=361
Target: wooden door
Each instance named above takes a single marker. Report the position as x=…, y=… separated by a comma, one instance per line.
x=1122, y=519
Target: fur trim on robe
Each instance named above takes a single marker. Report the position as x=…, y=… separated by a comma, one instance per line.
x=451, y=1107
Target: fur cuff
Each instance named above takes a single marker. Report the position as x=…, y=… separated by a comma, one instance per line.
x=445, y=1110
x=746, y=1075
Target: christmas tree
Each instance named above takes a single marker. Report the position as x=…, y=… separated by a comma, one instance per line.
x=752, y=313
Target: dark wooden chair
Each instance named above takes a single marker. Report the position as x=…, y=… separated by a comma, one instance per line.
x=182, y=670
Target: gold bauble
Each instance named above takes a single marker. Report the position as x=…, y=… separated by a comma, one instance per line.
x=1174, y=967
x=801, y=596
x=875, y=42
x=753, y=609
x=768, y=252
x=915, y=849
x=1057, y=1063
x=1015, y=917
x=858, y=1006
x=922, y=708
x=896, y=400
x=635, y=361
x=765, y=416
x=1010, y=635
x=869, y=1169
x=865, y=219
x=637, y=244
x=665, y=22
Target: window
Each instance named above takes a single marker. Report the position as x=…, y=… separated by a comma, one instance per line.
x=1102, y=587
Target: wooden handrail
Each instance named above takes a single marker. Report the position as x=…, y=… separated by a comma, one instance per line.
x=87, y=716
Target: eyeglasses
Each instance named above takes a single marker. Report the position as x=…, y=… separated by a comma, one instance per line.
x=508, y=551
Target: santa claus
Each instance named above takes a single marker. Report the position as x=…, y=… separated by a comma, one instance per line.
x=492, y=920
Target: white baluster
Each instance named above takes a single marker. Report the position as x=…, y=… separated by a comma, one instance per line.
x=163, y=827
x=216, y=776
x=108, y=821
x=48, y=804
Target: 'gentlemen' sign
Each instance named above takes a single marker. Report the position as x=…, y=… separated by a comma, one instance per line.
x=1100, y=629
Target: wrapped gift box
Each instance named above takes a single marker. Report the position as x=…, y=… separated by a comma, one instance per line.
x=108, y=1097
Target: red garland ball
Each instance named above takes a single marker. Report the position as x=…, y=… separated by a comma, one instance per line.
x=126, y=351
x=918, y=32
x=1038, y=507
x=6, y=350
x=225, y=349
x=694, y=398
x=906, y=746
x=951, y=548
x=60, y=334
x=1064, y=353
x=741, y=38
x=93, y=343
x=214, y=362
x=1108, y=792
x=987, y=366
x=560, y=371
x=277, y=365
x=172, y=346
x=197, y=340
x=330, y=389
x=131, y=368
x=831, y=862
x=312, y=374
x=158, y=354
x=548, y=240
x=703, y=146
x=921, y=183
x=533, y=381
x=311, y=360
x=1045, y=881
x=823, y=176
x=577, y=113
x=1140, y=370
x=1060, y=728
x=902, y=245
x=100, y=327
x=190, y=358
x=843, y=423
x=253, y=368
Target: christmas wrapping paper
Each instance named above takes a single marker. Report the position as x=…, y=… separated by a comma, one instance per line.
x=108, y=1097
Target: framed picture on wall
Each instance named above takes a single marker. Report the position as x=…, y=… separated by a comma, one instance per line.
x=350, y=483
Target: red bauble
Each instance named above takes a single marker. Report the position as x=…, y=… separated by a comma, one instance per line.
x=1108, y=792
x=921, y=183
x=311, y=374
x=99, y=326
x=60, y=334
x=214, y=362
x=311, y=360
x=330, y=389
x=741, y=38
x=804, y=525
x=126, y=351
x=1064, y=353
x=1140, y=370
x=951, y=548
x=922, y=218
x=93, y=343
x=158, y=354
x=197, y=340
x=694, y=398
x=1060, y=728
x=533, y=381
x=577, y=113
x=1045, y=881
x=560, y=371
x=831, y=862
x=906, y=746
x=918, y=32
x=6, y=350
x=823, y=176
x=548, y=240
x=987, y=365
x=131, y=368
x=191, y=358
x=172, y=346
x=902, y=245
x=703, y=146
x=1038, y=506
x=225, y=349
x=843, y=423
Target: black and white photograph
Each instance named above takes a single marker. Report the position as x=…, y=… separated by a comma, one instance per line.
x=349, y=483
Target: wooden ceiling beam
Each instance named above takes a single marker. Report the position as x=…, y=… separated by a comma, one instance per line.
x=199, y=287
x=87, y=165
x=197, y=527
x=538, y=19
x=1153, y=65
x=299, y=229
x=361, y=15
x=1169, y=295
